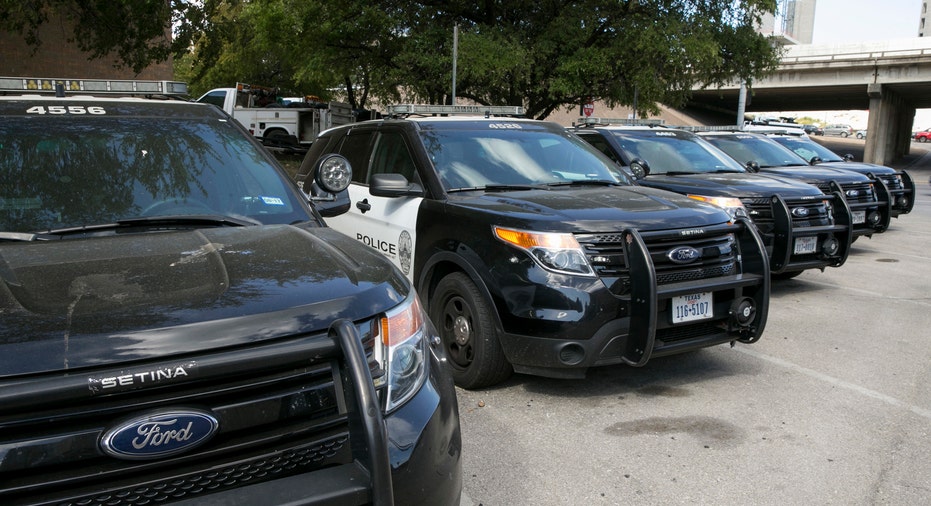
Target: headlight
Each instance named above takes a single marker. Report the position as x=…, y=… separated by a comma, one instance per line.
x=734, y=207
x=402, y=352
x=555, y=252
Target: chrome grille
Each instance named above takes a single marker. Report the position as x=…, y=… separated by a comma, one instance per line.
x=607, y=255
x=281, y=409
x=854, y=193
x=893, y=181
x=816, y=213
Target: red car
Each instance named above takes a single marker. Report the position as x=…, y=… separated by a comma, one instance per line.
x=923, y=136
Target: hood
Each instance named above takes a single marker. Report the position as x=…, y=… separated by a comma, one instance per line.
x=590, y=208
x=76, y=303
x=861, y=167
x=817, y=174
x=737, y=185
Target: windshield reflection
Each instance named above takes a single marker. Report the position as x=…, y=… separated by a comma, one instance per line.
x=56, y=172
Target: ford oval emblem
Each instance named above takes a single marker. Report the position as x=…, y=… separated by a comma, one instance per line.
x=683, y=254
x=800, y=212
x=853, y=193
x=160, y=434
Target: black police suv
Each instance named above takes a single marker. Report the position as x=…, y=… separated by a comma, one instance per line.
x=900, y=185
x=801, y=227
x=870, y=206
x=531, y=252
x=178, y=324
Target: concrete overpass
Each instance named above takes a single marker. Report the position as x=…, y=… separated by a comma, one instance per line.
x=890, y=79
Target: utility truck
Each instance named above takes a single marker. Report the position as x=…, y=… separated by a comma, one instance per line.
x=290, y=126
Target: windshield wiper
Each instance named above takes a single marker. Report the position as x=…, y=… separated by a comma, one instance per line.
x=154, y=222
x=193, y=219
x=592, y=182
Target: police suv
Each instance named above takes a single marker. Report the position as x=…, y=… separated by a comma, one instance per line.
x=531, y=251
x=801, y=227
x=178, y=324
x=900, y=185
x=868, y=199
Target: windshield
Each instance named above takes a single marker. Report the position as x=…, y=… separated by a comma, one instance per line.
x=668, y=152
x=59, y=171
x=749, y=148
x=808, y=149
x=486, y=156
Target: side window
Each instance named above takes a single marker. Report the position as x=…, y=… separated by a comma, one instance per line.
x=391, y=156
x=355, y=147
x=214, y=97
x=602, y=145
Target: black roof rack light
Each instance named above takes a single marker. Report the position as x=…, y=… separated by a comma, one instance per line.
x=92, y=86
x=454, y=110
x=594, y=121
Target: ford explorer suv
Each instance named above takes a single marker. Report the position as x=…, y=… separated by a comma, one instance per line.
x=179, y=324
x=870, y=206
x=801, y=227
x=531, y=251
x=899, y=183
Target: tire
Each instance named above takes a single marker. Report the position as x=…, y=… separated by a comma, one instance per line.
x=922, y=139
x=277, y=138
x=844, y=134
x=464, y=321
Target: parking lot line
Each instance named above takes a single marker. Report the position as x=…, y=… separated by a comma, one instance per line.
x=836, y=382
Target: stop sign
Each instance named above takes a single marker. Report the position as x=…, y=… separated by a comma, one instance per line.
x=588, y=108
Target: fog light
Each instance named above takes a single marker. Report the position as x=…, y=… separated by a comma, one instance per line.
x=743, y=311
x=874, y=218
x=830, y=246
x=902, y=201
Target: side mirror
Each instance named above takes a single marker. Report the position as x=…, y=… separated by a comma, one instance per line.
x=639, y=168
x=392, y=185
x=752, y=166
x=848, y=157
x=815, y=160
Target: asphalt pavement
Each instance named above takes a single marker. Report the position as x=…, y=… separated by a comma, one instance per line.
x=831, y=407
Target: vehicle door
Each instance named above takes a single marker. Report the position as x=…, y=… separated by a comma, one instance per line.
x=385, y=223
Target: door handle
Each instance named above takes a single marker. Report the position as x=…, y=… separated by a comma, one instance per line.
x=364, y=205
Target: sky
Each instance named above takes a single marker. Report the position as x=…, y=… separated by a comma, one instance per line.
x=850, y=21
x=843, y=21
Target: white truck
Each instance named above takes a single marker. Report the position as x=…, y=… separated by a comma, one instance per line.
x=291, y=125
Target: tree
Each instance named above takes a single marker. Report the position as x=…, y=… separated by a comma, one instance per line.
x=545, y=54
x=542, y=54
x=137, y=32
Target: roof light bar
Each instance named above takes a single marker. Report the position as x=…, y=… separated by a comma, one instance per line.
x=620, y=121
x=717, y=128
x=93, y=86
x=471, y=110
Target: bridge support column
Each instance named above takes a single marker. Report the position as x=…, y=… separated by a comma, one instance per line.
x=889, y=126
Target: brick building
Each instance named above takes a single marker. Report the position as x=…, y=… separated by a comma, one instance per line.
x=57, y=58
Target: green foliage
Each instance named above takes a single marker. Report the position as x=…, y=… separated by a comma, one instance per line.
x=135, y=31
x=542, y=54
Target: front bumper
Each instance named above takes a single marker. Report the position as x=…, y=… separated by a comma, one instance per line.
x=597, y=327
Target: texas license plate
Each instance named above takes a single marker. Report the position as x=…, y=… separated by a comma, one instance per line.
x=692, y=307
x=859, y=217
x=805, y=245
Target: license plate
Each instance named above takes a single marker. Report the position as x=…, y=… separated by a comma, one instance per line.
x=859, y=217
x=805, y=245
x=692, y=307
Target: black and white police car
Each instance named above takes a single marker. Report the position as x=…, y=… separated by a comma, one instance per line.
x=531, y=251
